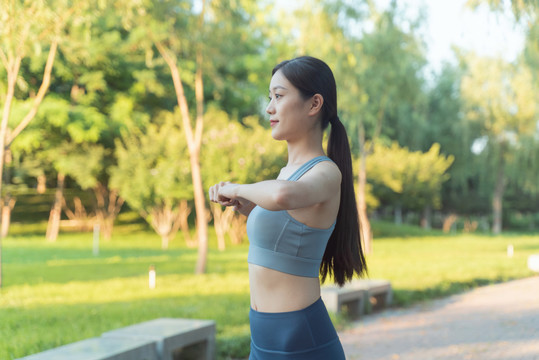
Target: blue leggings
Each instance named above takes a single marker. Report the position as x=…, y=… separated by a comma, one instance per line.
x=306, y=334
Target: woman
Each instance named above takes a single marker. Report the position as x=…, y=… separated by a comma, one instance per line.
x=304, y=223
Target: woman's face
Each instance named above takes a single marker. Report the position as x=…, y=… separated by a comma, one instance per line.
x=289, y=112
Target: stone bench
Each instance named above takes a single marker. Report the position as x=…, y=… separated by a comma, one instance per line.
x=338, y=299
x=101, y=349
x=357, y=296
x=159, y=339
x=174, y=338
x=379, y=291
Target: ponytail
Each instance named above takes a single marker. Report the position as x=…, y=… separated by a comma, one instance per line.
x=343, y=256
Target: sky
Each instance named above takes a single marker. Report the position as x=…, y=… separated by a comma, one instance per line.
x=450, y=22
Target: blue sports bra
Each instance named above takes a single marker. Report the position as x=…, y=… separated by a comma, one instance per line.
x=282, y=243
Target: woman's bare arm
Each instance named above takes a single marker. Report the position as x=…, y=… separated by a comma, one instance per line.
x=317, y=186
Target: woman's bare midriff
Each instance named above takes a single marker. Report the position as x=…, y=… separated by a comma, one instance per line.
x=274, y=291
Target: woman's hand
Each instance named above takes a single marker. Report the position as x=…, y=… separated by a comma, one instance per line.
x=222, y=193
x=225, y=194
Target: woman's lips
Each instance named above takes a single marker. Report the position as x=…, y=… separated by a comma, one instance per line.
x=273, y=122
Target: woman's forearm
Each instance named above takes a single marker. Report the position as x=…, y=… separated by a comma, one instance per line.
x=278, y=195
x=270, y=194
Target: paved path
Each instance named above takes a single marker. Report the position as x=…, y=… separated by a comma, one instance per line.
x=493, y=322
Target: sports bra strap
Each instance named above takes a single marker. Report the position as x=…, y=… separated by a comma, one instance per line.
x=306, y=167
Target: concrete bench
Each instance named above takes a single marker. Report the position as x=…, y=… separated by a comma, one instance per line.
x=358, y=296
x=174, y=338
x=101, y=349
x=380, y=292
x=338, y=299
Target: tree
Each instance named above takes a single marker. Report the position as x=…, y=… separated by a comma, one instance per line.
x=153, y=173
x=64, y=137
x=160, y=26
x=102, y=73
x=384, y=97
x=520, y=8
x=501, y=100
x=27, y=26
x=448, y=126
x=409, y=179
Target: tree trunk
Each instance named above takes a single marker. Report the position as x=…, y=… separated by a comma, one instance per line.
x=40, y=94
x=184, y=212
x=109, y=204
x=497, y=200
x=194, y=141
x=449, y=221
x=200, y=195
x=107, y=224
x=41, y=184
x=12, y=65
x=219, y=226
x=221, y=223
x=364, y=223
x=53, y=226
x=165, y=240
x=166, y=222
x=8, y=201
x=7, y=206
x=426, y=218
x=237, y=229
x=12, y=69
x=162, y=224
x=201, y=215
x=6, y=218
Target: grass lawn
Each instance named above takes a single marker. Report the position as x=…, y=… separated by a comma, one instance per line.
x=57, y=293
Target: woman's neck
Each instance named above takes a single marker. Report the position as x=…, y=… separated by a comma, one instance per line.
x=304, y=149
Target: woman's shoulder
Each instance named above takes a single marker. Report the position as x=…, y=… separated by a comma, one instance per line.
x=325, y=169
x=329, y=166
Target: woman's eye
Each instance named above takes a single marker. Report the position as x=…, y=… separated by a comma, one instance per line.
x=277, y=96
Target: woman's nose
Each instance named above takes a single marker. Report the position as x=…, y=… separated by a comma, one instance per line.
x=270, y=109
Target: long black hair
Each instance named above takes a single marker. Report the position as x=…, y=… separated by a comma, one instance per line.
x=344, y=255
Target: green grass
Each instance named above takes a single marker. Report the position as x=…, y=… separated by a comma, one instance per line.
x=57, y=293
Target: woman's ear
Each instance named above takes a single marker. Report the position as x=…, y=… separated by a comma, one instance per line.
x=316, y=104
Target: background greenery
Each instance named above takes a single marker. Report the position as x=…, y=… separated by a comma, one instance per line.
x=455, y=149
x=460, y=140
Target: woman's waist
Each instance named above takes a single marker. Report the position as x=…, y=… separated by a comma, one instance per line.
x=275, y=291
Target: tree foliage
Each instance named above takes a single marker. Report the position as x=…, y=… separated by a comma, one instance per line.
x=153, y=173
x=115, y=90
x=500, y=99
x=409, y=178
x=243, y=153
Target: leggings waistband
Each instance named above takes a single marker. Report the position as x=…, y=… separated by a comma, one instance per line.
x=308, y=332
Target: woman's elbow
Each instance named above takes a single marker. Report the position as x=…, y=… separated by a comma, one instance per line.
x=283, y=199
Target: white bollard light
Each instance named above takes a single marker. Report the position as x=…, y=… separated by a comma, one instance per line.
x=96, y=240
x=533, y=263
x=510, y=250
x=151, y=277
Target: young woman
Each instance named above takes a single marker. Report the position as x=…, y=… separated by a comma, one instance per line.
x=304, y=223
